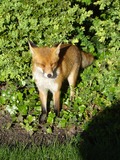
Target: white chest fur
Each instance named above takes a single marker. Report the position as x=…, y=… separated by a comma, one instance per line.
x=43, y=83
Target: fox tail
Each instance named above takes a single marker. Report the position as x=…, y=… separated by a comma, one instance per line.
x=87, y=59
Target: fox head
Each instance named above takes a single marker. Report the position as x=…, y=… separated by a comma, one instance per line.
x=45, y=59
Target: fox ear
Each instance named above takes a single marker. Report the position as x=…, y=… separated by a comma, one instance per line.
x=31, y=46
x=58, y=49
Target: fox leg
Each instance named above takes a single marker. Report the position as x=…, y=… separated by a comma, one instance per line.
x=43, y=98
x=72, y=78
x=56, y=99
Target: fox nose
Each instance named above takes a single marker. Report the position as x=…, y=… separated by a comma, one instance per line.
x=49, y=75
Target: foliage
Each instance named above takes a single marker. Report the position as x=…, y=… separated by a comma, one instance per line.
x=47, y=22
x=107, y=25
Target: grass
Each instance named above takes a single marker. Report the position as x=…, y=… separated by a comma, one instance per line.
x=54, y=152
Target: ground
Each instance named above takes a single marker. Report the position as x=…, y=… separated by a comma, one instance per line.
x=16, y=134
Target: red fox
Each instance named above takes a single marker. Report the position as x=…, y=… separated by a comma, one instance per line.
x=51, y=66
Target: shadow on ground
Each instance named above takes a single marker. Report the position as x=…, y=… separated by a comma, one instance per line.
x=101, y=140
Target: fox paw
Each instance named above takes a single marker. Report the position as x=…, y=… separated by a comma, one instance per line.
x=43, y=118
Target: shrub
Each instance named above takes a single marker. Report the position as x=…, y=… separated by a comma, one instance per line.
x=106, y=26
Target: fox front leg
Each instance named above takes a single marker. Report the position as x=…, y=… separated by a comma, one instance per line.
x=43, y=98
x=56, y=99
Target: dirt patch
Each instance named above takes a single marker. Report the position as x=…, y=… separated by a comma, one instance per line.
x=16, y=134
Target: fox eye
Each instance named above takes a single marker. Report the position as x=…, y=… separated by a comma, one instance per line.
x=53, y=64
x=41, y=64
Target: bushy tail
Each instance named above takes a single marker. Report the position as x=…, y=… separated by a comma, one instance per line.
x=87, y=59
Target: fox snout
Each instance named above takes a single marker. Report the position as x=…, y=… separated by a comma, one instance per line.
x=48, y=75
x=47, y=72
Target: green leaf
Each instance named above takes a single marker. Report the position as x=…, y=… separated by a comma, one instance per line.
x=30, y=118
x=23, y=109
x=49, y=130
